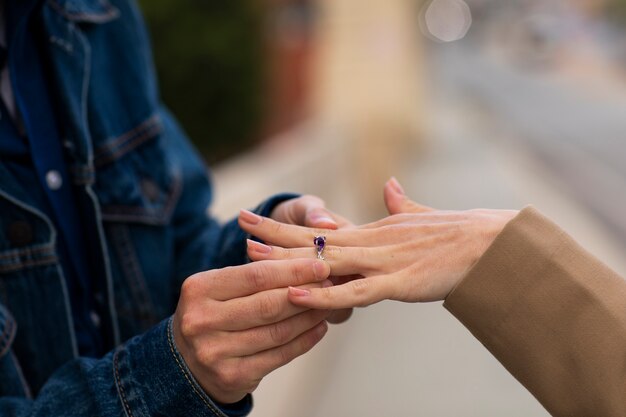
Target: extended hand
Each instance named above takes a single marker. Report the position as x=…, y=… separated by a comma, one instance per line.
x=416, y=254
x=235, y=325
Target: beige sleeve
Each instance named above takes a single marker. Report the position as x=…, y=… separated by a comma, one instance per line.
x=552, y=314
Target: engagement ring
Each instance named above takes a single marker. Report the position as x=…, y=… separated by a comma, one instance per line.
x=320, y=244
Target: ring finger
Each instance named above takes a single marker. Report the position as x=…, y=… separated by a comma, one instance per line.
x=342, y=260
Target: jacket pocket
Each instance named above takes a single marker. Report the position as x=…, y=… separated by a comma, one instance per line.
x=135, y=181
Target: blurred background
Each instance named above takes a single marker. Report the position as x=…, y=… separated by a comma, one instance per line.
x=475, y=103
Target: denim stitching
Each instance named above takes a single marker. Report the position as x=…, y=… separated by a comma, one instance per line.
x=127, y=409
x=83, y=175
x=18, y=368
x=7, y=336
x=26, y=251
x=111, y=13
x=115, y=154
x=63, y=44
x=131, y=269
x=182, y=369
x=28, y=264
x=121, y=145
x=123, y=213
x=128, y=135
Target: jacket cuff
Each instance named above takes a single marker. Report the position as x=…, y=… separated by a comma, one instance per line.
x=233, y=249
x=152, y=378
x=510, y=268
x=551, y=313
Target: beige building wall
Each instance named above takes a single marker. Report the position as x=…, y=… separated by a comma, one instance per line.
x=367, y=86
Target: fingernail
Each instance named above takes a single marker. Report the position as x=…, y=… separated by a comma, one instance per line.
x=320, y=269
x=299, y=292
x=249, y=217
x=396, y=185
x=258, y=247
x=324, y=219
x=327, y=283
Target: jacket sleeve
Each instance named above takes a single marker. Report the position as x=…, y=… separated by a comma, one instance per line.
x=552, y=314
x=144, y=377
x=201, y=242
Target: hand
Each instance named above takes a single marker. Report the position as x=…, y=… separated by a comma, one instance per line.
x=416, y=254
x=311, y=211
x=235, y=325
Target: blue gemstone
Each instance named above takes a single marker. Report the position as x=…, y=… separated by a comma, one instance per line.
x=319, y=242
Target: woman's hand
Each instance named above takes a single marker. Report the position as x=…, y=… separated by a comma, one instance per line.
x=416, y=254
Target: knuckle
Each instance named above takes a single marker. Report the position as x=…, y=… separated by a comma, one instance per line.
x=327, y=293
x=279, y=333
x=252, y=385
x=300, y=272
x=286, y=355
x=269, y=309
x=333, y=252
x=230, y=378
x=190, y=286
x=360, y=289
x=259, y=276
x=190, y=325
x=320, y=232
x=276, y=228
x=208, y=356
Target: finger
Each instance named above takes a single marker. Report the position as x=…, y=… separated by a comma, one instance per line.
x=397, y=202
x=267, y=361
x=288, y=235
x=240, y=281
x=339, y=316
x=342, y=260
x=323, y=218
x=313, y=213
x=251, y=341
x=357, y=293
x=265, y=308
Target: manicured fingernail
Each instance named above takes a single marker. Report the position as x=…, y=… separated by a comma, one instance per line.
x=327, y=283
x=249, y=217
x=299, y=292
x=259, y=247
x=396, y=185
x=324, y=219
x=320, y=269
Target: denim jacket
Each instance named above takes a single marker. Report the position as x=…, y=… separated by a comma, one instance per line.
x=148, y=194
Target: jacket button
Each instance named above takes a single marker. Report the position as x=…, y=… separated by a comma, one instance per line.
x=20, y=233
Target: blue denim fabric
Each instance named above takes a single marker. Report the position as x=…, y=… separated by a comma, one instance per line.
x=147, y=191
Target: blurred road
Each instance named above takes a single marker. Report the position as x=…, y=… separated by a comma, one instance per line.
x=578, y=131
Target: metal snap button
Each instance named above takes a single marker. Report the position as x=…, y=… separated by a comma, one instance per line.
x=54, y=180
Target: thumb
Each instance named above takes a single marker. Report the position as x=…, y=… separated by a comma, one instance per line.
x=397, y=202
x=319, y=217
x=310, y=211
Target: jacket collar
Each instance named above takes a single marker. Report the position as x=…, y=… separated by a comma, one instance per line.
x=88, y=11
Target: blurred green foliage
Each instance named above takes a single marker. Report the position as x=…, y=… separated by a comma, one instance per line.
x=617, y=10
x=209, y=60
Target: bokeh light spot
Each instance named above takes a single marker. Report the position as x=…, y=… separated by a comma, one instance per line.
x=447, y=20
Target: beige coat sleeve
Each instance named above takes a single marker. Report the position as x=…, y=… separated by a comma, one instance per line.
x=552, y=314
